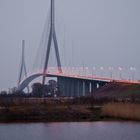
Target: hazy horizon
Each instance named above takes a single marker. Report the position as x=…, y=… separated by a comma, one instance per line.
x=95, y=32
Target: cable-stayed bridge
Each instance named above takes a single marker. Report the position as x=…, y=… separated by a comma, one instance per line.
x=70, y=83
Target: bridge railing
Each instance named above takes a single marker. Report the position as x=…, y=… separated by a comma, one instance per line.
x=118, y=73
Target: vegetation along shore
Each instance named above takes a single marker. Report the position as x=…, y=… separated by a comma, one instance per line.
x=103, y=104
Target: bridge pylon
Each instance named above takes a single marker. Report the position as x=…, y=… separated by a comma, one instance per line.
x=23, y=65
x=52, y=37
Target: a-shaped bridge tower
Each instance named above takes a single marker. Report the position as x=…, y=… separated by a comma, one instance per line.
x=52, y=37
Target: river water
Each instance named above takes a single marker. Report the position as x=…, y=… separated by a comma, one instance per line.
x=70, y=131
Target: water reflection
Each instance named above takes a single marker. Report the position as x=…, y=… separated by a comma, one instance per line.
x=71, y=131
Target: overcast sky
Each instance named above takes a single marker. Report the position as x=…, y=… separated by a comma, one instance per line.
x=97, y=33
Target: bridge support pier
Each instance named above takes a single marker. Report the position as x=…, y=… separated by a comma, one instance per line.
x=62, y=85
x=93, y=86
x=72, y=87
x=87, y=87
x=81, y=88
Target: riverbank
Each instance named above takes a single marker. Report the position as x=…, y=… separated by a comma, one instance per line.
x=56, y=112
x=64, y=110
x=127, y=111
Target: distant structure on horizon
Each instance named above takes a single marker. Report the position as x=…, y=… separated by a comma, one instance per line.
x=23, y=65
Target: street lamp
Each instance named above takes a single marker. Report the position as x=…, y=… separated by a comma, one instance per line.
x=93, y=70
x=86, y=71
x=73, y=68
x=120, y=72
x=111, y=71
x=101, y=69
x=80, y=70
x=133, y=69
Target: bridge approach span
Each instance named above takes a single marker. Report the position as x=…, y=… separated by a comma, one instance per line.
x=23, y=84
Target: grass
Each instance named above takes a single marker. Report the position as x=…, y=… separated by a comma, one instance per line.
x=118, y=90
x=130, y=111
x=42, y=110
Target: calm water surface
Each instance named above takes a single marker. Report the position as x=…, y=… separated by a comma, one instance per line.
x=71, y=131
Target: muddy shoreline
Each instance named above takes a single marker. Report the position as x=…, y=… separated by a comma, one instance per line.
x=62, y=110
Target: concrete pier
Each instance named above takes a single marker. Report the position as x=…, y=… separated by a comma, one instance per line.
x=73, y=87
